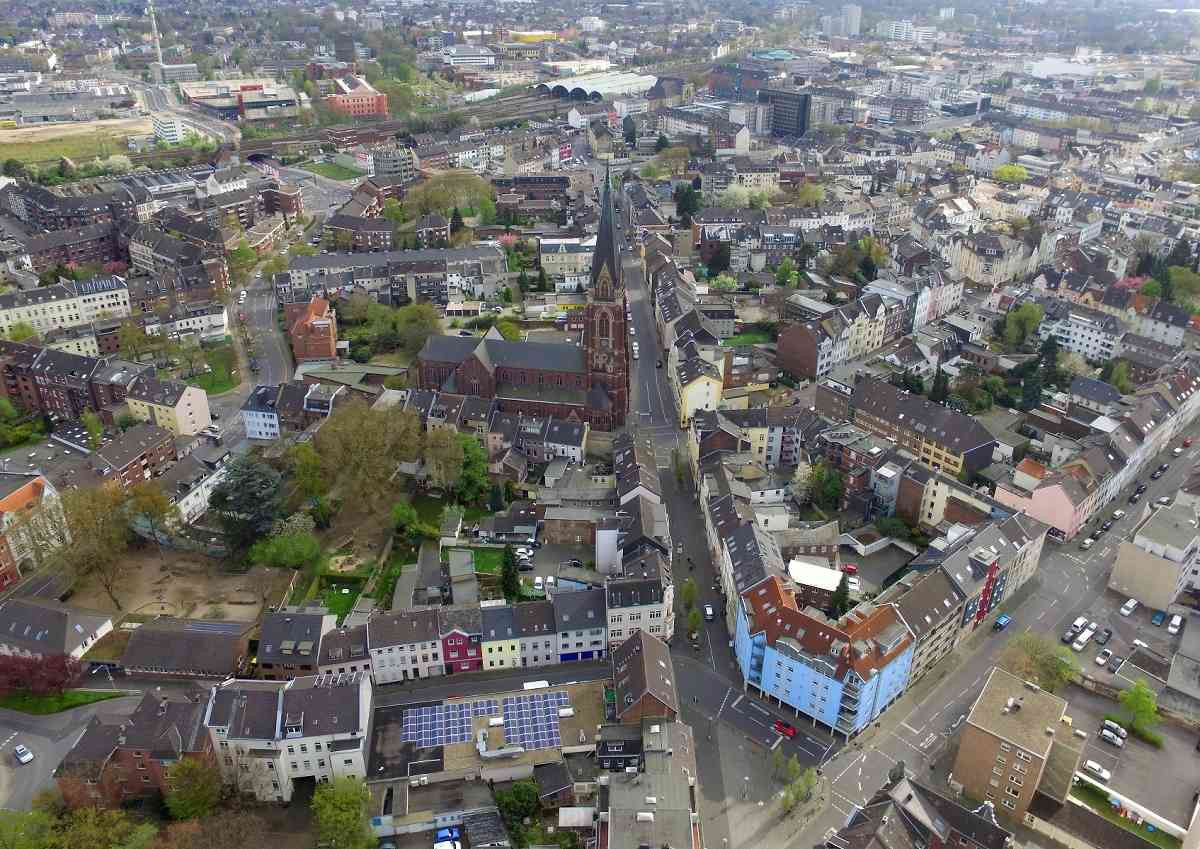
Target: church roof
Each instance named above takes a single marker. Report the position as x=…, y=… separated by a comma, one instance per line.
x=607, y=253
x=493, y=353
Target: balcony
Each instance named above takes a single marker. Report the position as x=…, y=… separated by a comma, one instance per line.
x=846, y=726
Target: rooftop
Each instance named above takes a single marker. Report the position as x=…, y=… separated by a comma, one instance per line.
x=1018, y=712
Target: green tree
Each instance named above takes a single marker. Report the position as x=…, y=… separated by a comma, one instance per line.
x=94, y=428
x=510, y=574
x=102, y=828
x=659, y=146
x=694, y=621
x=810, y=194
x=1031, y=391
x=26, y=829
x=1048, y=354
x=473, y=484
x=1037, y=658
x=629, y=130
x=688, y=593
x=786, y=274
x=1120, y=378
x=825, y=486
x=1141, y=703
x=1011, y=173
x=308, y=470
x=1151, y=289
x=940, y=390
x=340, y=814
x=148, y=503
x=361, y=448
x=444, y=457
x=1152, y=86
x=893, y=526
x=195, y=789
x=1020, y=323
x=839, y=603
x=543, y=283
x=21, y=331
x=286, y=551
x=248, y=501
x=456, y=221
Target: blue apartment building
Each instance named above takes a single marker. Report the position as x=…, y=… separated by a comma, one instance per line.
x=842, y=673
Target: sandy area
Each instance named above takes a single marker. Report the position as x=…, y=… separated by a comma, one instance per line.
x=186, y=585
x=118, y=126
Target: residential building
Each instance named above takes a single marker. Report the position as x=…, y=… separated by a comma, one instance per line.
x=789, y=110
x=32, y=627
x=580, y=624
x=1160, y=560
x=354, y=233
x=70, y=303
x=668, y=776
x=539, y=639
x=344, y=651
x=461, y=631
x=931, y=605
x=289, y=643
x=641, y=598
x=116, y=763
x=168, y=128
x=170, y=404
x=405, y=646
x=501, y=637
x=204, y=650
x=467, y=55
x=21, y=493
x=644, y=678
x=1016, y=742
x=1092, y=334
x=266, y=735
x=312, y=329
x=842, y=673
x=395, y=161
x=259, y=415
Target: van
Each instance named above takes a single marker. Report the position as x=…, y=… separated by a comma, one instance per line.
x=1083, y=639
x=1119, y=730
x=1175, y=625
x=538, y=583
x=1096, y=770
x=1080, y=623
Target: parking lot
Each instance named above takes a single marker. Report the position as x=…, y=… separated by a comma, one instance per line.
x=1161, y=779
x=874, y=569
x=1106, y=613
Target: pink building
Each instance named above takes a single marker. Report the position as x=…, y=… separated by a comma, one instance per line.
x=1064, y=499
x=462, y=638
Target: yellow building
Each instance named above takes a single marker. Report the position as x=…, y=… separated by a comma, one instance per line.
x=501, y=642
x=170, y=404
x=532, y=36
x=697, y=387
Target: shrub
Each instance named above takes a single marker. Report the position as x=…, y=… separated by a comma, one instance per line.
x=1144, y=734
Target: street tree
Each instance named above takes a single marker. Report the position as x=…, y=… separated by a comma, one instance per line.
x=694, y=621
x=689, y=593
x=94, y=427
x=195, y=788
x=340, y=814
x=1034, y=657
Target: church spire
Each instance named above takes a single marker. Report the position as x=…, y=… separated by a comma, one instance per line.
x=606, y=261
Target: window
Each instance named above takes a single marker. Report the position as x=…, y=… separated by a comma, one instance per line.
x=1005, y=747
x=317, y=746
x=1016, y=781
x=294, y=765
x=348, y=762
x=1006, y=803
x=304, y=748
x=997, y=771
x=1012, y=791
x=1000, y=759
x=291, y=750
x=1025, y=756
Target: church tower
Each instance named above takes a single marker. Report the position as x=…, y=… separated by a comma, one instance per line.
x=604, y=329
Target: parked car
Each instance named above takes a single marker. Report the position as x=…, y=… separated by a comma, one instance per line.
x=524, y=552
x=1133, y=499
x=785, y=728
x=22, y=754
x=1156, y=474
x=1141, y=487
x=1177, y=450
x=1108, y=737
x=451, y=833
x=1129, y=606
x=1118, y=515
x=1158, y=618
x=1107, y=526
x=1103, y=637
x=524, y=565
x=1163, y=501
x=850, y=568
x=1187, y=442
x=549, y=581
x=1068, y=636
x=1176, y=624
x=709, y=613
x=1104, y=657
x=1115, y=728
x=1002, y=622
x=854, y=584
x=1079, y=624
x=1115, y=663
x=575, y=562
x=1097, y=771
x=538, y=583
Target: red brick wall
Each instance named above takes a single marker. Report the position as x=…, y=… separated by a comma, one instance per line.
x=908, y=500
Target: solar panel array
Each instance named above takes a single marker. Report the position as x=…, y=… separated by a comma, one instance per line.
x=442, y=725
x=532, y=721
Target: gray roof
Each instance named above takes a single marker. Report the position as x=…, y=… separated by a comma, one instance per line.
x=469, y=620
x=404, y=628
x=499, y=622
x=642, y=666
x=187, y=647
x=502, y=353
x=293, y=636
x=534, y=618
x=1095, y=390
x=635, y=463
x=579, y=610
x=44, y=627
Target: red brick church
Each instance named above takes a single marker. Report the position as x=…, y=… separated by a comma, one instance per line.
x=588, y=383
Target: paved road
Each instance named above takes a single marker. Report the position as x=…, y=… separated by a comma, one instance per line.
x=916, y=730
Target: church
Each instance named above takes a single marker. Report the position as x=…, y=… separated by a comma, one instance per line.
x=588, y=382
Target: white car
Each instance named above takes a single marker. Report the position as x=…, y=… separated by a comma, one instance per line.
x=1129, y=606
x=524, y=552
x=1096, y=770
x=22, y=754
x=550, y=581
x=853, y=583
x=1104, y=657
x=538, y=583
x=709, y=614
x=632, y=331
x=1175, y=624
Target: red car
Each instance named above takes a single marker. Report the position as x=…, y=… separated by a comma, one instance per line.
x=850, y=568
x=1187, y=443
x=785, y=728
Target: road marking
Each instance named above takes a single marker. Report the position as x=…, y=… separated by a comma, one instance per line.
x=909, y=727
x=775, y=745
x=721, y=709
x=737, y=702
x=847, y=769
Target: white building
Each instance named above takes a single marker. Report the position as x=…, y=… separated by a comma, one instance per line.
x=1090, y=333
x=469, y=56
x=68, y=304
x=168, y=128
x=404, y=647
x=259, y=415
x=267, y=734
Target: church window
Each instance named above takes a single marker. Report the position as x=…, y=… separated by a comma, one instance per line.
x=604, y=330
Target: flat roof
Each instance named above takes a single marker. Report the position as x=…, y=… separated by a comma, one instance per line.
x=1018, y=712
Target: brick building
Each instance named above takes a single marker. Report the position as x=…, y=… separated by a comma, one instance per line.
x=63, y=384
x=645, y=679
x=20, y=494
x=91, y=243
x=355, y=97
x=312, y=328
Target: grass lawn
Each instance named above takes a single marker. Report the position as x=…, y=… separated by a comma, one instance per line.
x=111, y=646
x=1097, y=801
x=333, y=171
x=430, y=510
x=489, y=560
x=40, y=705
x=750, y=337
x=222, y=361
x=80, y=147
x=338, y=602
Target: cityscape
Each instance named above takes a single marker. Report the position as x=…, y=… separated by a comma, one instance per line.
x=769, y=425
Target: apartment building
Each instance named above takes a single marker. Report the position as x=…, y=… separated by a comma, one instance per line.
x=312, y=329
x=405, y=646
x=289, y=643
x=644, y=679
x=395, y=161
x=539, y=640
x=1016, y=742
x=170, y=404
x=580, y=624
x=1092, y=334
x=842, y=673
x=266, y=735
x=641, y=599
x=259, y=413
x=1160, y=561
x=67, y=304
x=344, y=650
x=501, y=640
x=461, y=632
x=356, y=98
x=20, y=494
x=990, y=259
